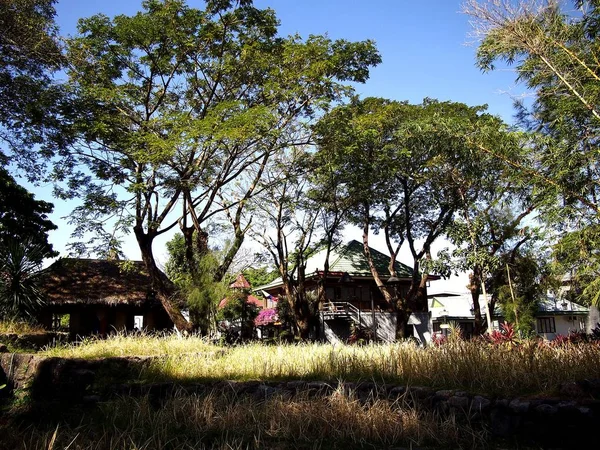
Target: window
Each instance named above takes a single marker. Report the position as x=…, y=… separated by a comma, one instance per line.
x=138, y=322
x=546, y=325
x=60, y=322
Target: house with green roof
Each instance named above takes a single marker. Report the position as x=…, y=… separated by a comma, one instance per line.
x=352, y=296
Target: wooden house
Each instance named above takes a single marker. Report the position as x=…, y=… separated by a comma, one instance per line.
x=352, y=297
x=93, y=296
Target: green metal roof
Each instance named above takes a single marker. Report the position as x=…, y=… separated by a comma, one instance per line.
x=350, y=258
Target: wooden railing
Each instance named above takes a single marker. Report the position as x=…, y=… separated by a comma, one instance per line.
x=333, y=310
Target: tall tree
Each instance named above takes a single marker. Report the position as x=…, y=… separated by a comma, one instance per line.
x=185, y=109
x=495, y=217
x=197, y=287
x=294, y=227
x=556, y=55
x=519, y=282
x=29, y=54
x=403, y=168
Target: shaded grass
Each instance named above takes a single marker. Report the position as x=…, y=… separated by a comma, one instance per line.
x=529, y=368
x=222, y=420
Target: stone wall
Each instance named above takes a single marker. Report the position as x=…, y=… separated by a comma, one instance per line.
x=33, y=341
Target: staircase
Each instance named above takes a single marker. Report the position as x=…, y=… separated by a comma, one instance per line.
x=351, y=314
x=341, y=310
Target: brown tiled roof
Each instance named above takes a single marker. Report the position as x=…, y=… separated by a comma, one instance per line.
x=251, y=299
x=96, y=281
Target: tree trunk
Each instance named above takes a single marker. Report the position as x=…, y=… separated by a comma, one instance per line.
x=229, y=257
x=475, y=289
x=303, y=325
x=145, y=243
x=188, y=236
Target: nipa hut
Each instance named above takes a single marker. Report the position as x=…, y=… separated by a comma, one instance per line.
x=93, y=296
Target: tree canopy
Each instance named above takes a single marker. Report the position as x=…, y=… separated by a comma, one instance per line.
x=31, y=101
x=22, y=217
x=173, y=132
x=556, y=56
x=405, y=170
x=29, y=54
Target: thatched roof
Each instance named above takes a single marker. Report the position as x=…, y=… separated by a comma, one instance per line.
x=97, y=281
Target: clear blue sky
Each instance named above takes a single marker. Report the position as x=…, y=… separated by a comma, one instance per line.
x=423, y=44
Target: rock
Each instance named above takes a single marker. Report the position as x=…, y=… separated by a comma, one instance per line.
x=3, y=348
x=318, y=386
x=459, y=402
x=567, y=407
x=586, y=412
x=419, y=392
x=480, y=404
x=295, y=385
x=518, y=406
x=546, y=409
x=501, y=423
x=502, y=402
x=264, y=392
x=366, y=386
x=90, y=399
x=592, y=387
x=397, y=391
x=444, y=394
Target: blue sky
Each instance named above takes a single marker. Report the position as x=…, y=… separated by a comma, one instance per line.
x=424, y=45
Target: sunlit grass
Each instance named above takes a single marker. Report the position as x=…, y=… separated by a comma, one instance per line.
x=132, y=345
x=16, y=327
x=470, y=366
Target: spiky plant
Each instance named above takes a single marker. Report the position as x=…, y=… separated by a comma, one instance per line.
x=20, y=261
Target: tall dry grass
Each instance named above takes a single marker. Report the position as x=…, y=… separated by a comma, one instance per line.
x=471, y=366
x=221, y=420
x=18, y=327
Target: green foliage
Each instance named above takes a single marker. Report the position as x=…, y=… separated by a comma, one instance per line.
x=294, y=225
x=237, y=310
x=22, y=217
x=237, y=307
x=518, y=284
x=176, y=266
x=556, y=55
x=197, y=285
x=31, y=103
x=576, y=256
x=259, y=276
x=285, y=313
x=20, y=297
x=171, y=117
x=406, y=170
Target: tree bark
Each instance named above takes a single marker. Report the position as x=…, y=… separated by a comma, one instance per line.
x=230, y=256
x=145, y=243
x=188, y=236
x=475, y=289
